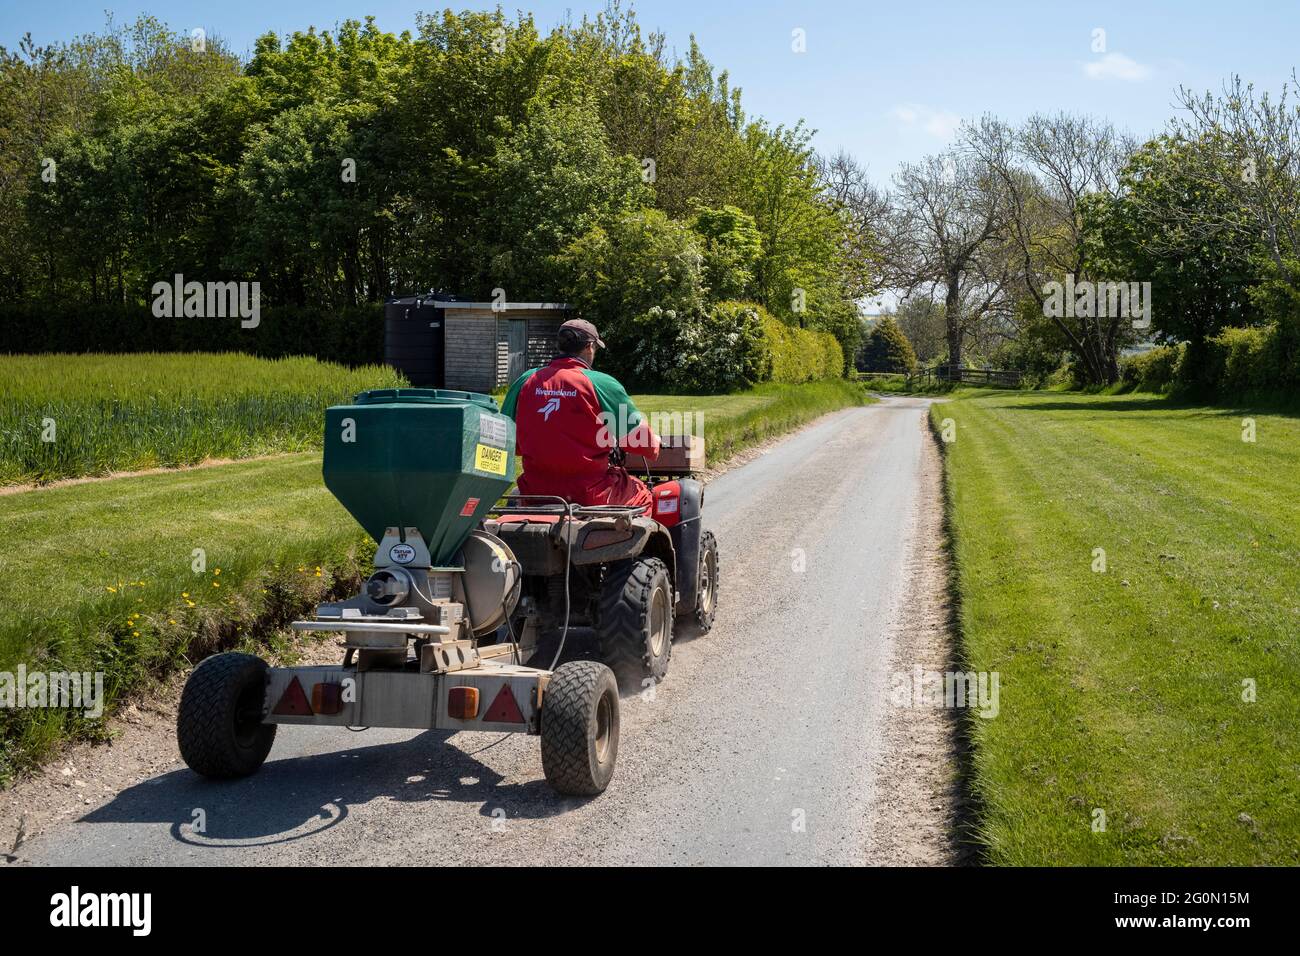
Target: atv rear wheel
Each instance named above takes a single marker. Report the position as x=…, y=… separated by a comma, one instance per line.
x=580, y=728
x=706, y=597
x=635, y=620
x=219, y=724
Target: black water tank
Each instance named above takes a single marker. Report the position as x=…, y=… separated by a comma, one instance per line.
x=414, y=337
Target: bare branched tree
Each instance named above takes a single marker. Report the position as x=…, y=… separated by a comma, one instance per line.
x=846, y=185
x=1046, y=169
x=921, y=320
x=946, y=240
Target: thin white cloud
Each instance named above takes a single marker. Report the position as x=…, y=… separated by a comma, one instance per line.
x=1117, y=66
x=939, y=123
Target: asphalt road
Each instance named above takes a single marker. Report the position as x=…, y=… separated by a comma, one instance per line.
x=757, y=748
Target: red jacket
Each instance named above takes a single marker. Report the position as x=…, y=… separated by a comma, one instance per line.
x=568, y=418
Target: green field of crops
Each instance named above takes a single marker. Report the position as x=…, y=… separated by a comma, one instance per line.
x=67, y=416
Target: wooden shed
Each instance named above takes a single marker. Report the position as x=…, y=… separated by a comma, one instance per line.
x=470, y=345
x=487, y=350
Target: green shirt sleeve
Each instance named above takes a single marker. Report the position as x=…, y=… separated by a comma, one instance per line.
x=613, y=396
x=510, y=404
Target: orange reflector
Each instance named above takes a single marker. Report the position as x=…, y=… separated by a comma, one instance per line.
x=504, y=709
x=327, y=698
x=462, y=703
x=293, y=702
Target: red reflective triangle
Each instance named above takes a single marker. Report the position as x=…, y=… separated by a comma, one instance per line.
x=293, y=703
x=504, y=709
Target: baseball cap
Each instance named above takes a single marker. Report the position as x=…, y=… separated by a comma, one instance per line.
x=581, y=328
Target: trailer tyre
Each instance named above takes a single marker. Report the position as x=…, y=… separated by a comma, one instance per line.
x=635, y=620
x=219, y=725
x=580, y=728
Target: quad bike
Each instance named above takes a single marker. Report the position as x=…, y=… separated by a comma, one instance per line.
x=449, y=630
x=636, y=576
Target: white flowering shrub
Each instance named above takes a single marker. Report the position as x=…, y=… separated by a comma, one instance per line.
x=721, y=350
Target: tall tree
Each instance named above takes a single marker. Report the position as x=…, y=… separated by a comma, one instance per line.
x=1200, y=279
x=946, y=237
x=1046, y=169
x=1250, y=150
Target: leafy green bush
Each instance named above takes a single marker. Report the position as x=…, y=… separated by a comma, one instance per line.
x=642, y=278
x=887, y=349
x=1279, y=302
x=1237, y=360
x=800, y=355
x=1152, y=371
x=732, y=246
x=638, y=278
x=721, y=350
x=833, y=360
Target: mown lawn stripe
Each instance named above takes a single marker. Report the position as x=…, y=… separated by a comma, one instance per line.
x=1127, y=696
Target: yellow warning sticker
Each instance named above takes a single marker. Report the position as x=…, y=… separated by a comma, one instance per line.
x=490, y=459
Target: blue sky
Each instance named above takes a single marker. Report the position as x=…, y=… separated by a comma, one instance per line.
x=886, y=81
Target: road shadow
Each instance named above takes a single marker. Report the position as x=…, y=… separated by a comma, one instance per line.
x=686, y=630
x=965, y=804
x=582, y=644
x=295, y=798
x=299, y=797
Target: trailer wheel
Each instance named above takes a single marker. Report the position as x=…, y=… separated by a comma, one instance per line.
x=580, y=728
x=635, y=620
x=219, y=725
x=706, y=600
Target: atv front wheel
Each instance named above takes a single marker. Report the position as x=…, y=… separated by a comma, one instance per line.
x=219, y=725
x=580, y=728
x=635, y=620
x=706, y=597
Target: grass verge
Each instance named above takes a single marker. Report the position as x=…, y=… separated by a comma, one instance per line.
x=1131, y=569
x=133, y=576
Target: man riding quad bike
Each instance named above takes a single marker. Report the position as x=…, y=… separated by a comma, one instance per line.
x=461, y=627
x=597, y=546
